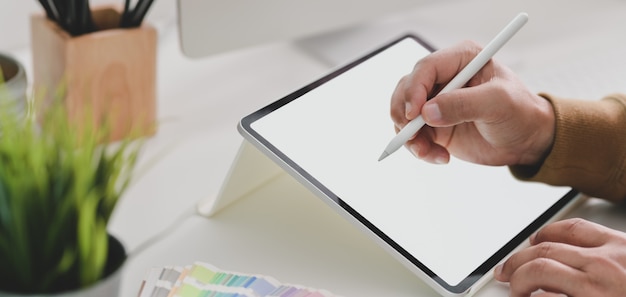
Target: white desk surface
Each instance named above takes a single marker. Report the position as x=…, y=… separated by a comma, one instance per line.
x=280, y=230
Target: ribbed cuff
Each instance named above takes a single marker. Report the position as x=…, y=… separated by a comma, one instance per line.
x=589, y=148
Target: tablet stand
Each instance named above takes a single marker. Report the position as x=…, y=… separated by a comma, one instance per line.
x=249, y=171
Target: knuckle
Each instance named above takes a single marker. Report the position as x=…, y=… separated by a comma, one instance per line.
x=406, y=87
x=501, y=89
x=409, y=92
x=427, y=61
x=397, y=100
x=524, y=279
x=403, y=80
x=544, y=249
x=538, y=266
x=569, y=228
x=603, y=262
x=572, y=225
x=471, y=45
x=578, y=228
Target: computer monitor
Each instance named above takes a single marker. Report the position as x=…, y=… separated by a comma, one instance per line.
x=209, y=27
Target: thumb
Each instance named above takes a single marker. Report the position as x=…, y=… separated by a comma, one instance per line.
x=457, y=107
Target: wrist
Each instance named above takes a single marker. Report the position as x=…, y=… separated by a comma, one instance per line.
x=542, y=139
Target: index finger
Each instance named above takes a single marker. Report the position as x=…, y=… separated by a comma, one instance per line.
x=576, y=232
x=432, y=71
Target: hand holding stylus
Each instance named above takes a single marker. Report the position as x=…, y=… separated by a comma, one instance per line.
x=459, y=80
x=493, y=120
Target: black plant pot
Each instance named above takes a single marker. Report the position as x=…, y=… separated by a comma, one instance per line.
x=108, y=286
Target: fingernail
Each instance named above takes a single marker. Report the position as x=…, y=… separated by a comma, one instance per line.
x=440, y=160
x=431, y=111
x=415, y=149
x=407, y=109
x=498, y=270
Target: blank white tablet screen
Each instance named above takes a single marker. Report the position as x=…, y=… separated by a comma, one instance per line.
x=452, y=217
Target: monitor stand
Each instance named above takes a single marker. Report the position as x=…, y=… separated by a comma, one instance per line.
x=341, y=46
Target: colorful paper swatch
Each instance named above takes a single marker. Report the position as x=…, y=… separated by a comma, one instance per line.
x=205, y=280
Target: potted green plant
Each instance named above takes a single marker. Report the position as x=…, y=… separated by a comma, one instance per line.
x=59, y=184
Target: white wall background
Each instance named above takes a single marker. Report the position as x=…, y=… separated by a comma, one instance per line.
x=15, y=14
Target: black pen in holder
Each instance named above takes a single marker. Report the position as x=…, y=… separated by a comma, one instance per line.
x=75, y=16
x=134, y=17
x=108, y=74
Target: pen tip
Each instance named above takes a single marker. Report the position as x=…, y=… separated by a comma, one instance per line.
x=384, y=155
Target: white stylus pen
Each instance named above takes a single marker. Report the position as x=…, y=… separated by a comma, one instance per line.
x=459, y=80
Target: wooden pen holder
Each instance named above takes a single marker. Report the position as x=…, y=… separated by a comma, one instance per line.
x=110, y=72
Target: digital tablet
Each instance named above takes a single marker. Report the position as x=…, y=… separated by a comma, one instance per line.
x=449, y=224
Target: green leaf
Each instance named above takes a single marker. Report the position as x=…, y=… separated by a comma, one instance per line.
x=58, y=187
x=5, y=214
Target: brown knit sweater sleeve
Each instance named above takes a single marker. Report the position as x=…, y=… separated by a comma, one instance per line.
x=589, y=150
